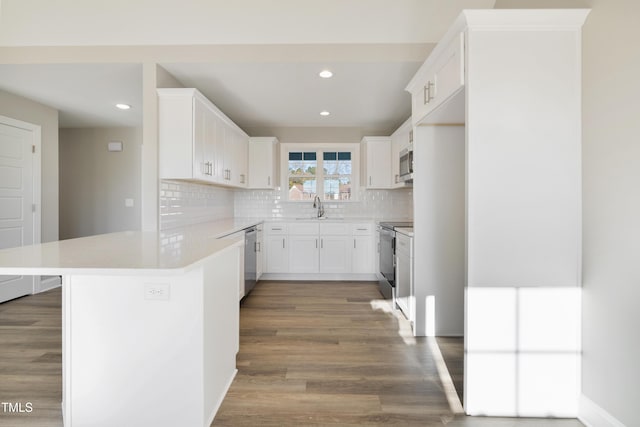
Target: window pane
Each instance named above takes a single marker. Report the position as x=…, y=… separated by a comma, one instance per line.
x=302, y=188
x=329, y=156
x=344, y=156
x=337, y=188
x=298, y=166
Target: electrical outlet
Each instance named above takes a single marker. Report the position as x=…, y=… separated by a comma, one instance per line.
x=156, y=291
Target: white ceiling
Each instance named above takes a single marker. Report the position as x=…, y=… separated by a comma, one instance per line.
x=367, y=90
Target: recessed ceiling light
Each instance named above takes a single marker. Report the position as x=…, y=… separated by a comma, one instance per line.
x=325, y=74
x=123, y=106
x=324, y=113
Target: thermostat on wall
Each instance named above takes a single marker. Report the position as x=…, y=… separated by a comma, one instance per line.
x=115, y=146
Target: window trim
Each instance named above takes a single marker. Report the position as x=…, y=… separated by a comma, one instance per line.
x=353, y=148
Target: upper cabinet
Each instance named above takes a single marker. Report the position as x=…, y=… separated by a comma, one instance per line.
x=262, y=163
x=198, y=142
x=439, y=78
x=376, y=165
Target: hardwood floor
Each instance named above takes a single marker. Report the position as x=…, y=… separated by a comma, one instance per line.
x=310, y=354
x=31, y=359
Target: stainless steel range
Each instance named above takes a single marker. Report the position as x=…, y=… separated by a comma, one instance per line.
x=387, y=279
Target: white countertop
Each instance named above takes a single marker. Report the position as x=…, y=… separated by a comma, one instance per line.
x=131, y=252
x=407, y=231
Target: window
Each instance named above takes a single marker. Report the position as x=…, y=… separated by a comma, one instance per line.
x=302, y=175
x=337, y=168
x=328, y=171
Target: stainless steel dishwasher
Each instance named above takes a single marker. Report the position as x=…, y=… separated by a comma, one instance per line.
x=250, y=258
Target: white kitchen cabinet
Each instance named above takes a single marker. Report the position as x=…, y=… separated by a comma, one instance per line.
x=363, y=254
x=303, y=254
x=259, y=251
x=376, y=162
x=304, y=247
x=440, y=77
x=335, y=254
x=276, y=248
x=198, y=142
x=404, y=275
x=182, y=130
x=262, y=163
x=483, y=242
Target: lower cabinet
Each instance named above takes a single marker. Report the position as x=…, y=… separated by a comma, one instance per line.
x=363, y=255
x=339, y=249
x=303, y=254
x=335, y=254
x=276, y=248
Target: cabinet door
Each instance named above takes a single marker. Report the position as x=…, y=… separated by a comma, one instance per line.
x=335, y=254
x=449, y=71
x=260, y=252
x=378, y=162
x=242, y=159
x=219, y=147
x=200, y=161
x=262, y=166
x=403, y=284
x=363, y=255
x=303, y=254
x=277, y=254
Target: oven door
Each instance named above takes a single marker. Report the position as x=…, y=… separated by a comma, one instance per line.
x=387, y=251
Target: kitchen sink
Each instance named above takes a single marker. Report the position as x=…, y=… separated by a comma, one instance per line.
x=315, y=218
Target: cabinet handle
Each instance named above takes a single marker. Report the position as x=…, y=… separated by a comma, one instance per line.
x=316, y=243
x=369, y=180
x=361, y=229
x=278, y=229
x=354, y=243
x=397, y=178
x=428, y=96
x=269, y=180
x=242, y=178
x=321, y=243
x=210, y=168
x=283, y=243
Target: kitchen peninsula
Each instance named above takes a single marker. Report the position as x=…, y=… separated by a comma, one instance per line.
x=149, y=320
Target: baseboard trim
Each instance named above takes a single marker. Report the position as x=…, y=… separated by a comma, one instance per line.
x=592, y=415
x=48, y=282
x=302, y=277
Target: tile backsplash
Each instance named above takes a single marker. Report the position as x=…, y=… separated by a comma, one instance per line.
x=397, y=204
x=184, y=203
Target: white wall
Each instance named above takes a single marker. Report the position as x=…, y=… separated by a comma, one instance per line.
x=611, y=207
x=94, y=182
x=29, y=111
x=611, y=191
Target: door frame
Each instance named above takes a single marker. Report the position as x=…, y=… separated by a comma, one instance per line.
x=36, y=173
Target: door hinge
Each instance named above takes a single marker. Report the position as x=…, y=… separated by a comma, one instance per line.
x=33, y=149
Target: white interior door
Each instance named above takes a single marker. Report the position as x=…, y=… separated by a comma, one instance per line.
x=19, y=198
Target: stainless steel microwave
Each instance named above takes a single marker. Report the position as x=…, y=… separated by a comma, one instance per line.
x=406, y=165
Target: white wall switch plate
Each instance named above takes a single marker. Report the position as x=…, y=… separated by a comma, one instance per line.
x=157, y=291
x=114, y=146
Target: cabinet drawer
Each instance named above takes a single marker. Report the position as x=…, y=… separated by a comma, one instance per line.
x=303, y=229
x=276, y=228
x=364, y=229
x=331, y=228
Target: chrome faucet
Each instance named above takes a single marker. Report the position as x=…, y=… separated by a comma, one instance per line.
x=317, y=203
